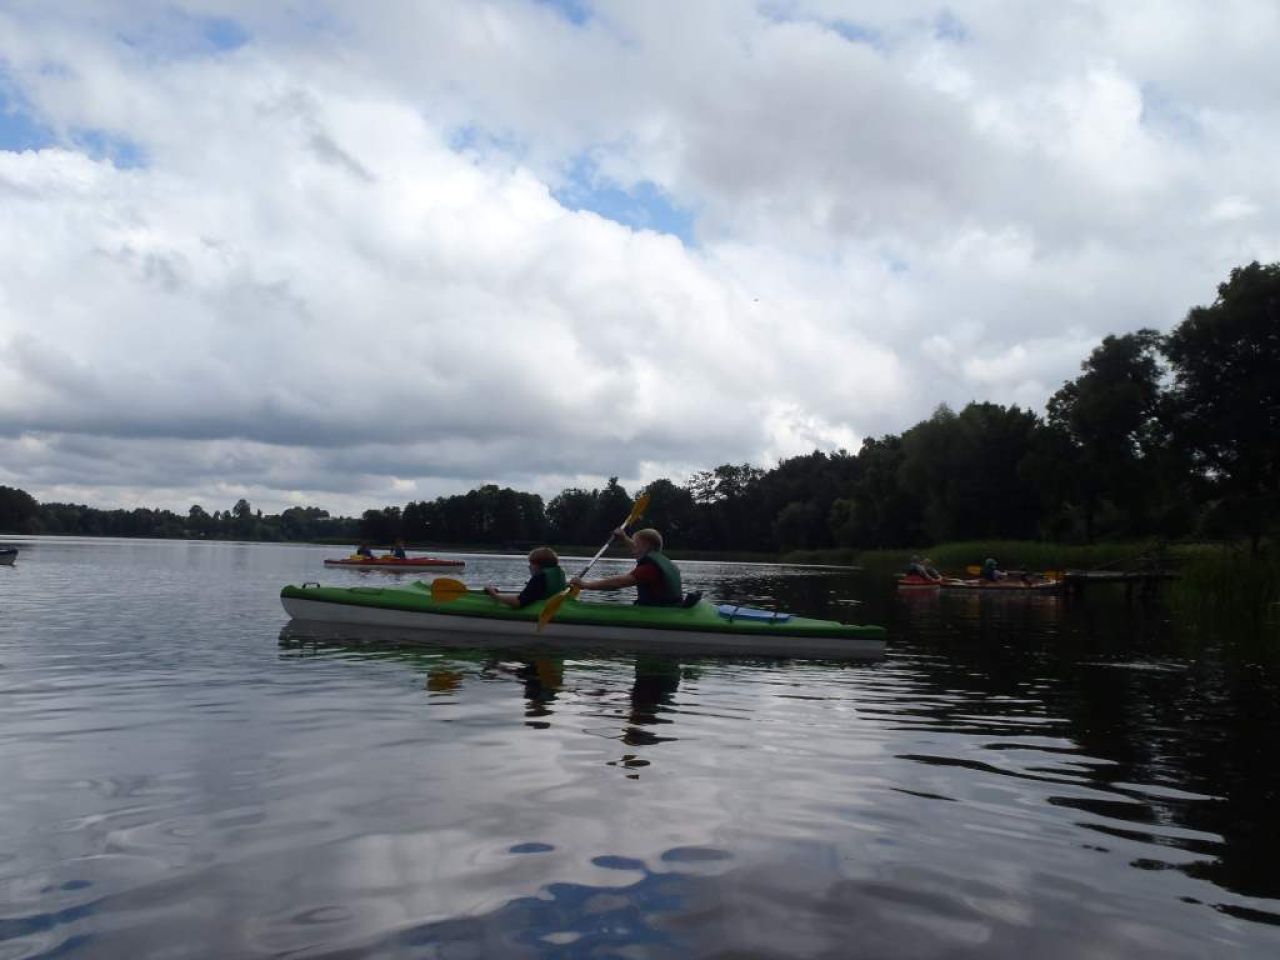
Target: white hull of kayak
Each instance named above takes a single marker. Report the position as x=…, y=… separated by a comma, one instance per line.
x=475, y=631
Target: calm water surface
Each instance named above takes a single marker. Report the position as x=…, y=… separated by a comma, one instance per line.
x=1019, y=777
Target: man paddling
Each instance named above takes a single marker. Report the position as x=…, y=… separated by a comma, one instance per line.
x=655, y=577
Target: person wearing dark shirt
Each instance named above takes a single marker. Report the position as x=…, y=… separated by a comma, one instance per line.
x=397, y=551
x=364, y=550
x=655, y=577
x=545, y=579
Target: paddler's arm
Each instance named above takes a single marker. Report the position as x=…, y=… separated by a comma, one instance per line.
x=507, y=599
x=606, y=583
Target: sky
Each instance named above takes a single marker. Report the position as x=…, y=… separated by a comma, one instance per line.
x=350, y=255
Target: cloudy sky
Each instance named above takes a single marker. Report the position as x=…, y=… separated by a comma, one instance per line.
x=351, y=254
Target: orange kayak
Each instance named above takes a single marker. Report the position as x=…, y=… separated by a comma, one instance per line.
x=913, y=581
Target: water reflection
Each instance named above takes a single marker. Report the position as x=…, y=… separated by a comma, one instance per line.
x=1016, y=778
x=650, y=699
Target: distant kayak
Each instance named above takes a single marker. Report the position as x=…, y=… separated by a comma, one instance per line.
x=393, y=563
x=474, y=619
x=999, y=586
x=913, y=581
x=8, y=555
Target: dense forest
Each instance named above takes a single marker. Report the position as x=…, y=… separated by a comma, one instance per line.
x=1160, y=435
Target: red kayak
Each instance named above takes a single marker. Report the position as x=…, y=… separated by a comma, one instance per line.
x=1012, y=583
x=913, y=581
x=392, y=563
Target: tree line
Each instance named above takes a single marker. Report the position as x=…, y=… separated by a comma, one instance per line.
x=1161, y=434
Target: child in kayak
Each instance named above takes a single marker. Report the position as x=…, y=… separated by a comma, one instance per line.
x=545, y=578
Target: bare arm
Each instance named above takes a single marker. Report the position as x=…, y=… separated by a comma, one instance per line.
x=606, y=583
x=509, y=599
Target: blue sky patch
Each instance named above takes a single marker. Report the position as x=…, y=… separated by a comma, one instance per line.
x=858, y=33
x=101, y=145
x=223, y=33
x=1163, y=114
x=576, y=12
x=642, y=206
x=948, y=26
x=178, y=35
x=19, y=130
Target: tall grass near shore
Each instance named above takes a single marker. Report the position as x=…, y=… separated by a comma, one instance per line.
x=1228, y=590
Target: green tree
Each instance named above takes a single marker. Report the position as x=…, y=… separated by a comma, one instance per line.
x=671, y=510
x=1226, y=398
x=19, y=512
x=879, y=510
x=570, y=513
x=612, y=506
x=965, y=471
x=1111, y=416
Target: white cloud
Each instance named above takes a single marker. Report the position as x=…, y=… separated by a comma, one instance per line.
x=340, y=271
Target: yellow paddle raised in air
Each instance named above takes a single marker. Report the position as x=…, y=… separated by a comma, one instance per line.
x=555, y=603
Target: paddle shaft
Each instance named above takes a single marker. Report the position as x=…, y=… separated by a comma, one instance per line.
x=553, y=605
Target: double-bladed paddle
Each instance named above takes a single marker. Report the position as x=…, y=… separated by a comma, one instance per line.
x=555, y=603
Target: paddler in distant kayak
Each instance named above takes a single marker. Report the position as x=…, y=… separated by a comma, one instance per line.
x=397, y=551
x=545, y=578
x=923, y=567
x=655, y=577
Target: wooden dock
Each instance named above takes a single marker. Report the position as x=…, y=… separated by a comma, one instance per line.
x=1144, y=581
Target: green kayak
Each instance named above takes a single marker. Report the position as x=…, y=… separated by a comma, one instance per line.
x=474, y=618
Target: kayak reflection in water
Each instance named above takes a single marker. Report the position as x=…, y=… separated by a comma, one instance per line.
x=655, y=577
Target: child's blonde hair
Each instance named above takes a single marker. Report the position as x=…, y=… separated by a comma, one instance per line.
x=650, y=536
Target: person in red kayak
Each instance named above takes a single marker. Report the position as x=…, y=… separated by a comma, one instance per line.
x=397, y=551
x=923, y=567
x=364, y=550
x=655, y=577
x=545, y=578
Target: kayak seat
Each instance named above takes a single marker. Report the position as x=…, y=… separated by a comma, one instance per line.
x=691, y=599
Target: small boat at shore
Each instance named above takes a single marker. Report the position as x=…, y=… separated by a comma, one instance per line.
x=394, y=563
x=7, y=556
x=474, y=618
x=1009, y=585
x=913, y=581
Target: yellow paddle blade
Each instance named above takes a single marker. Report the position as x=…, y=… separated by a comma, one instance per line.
x=637, y=509
x=973, y=570
x=554, y=604
x=445, y=589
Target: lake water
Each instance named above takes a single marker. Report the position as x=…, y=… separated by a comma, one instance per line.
x=1018, y=777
